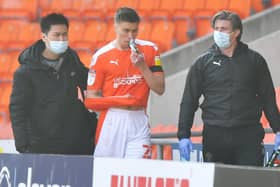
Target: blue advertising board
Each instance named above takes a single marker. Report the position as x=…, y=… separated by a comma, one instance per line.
x=30, y=170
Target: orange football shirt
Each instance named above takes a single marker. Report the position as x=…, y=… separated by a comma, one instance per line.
x=113, y=73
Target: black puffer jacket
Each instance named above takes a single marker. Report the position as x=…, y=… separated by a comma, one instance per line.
x=236, y=90
x=46, y=115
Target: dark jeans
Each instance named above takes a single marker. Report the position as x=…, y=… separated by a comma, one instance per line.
x=237, y=146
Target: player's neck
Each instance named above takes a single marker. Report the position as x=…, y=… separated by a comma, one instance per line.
x=119, y=46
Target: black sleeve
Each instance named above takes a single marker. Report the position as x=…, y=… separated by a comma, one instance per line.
x=190, y=101
x=266, y=91
x=20, y=103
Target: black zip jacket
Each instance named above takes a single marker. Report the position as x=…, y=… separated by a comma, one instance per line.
x=46, y=115
x=235, y=90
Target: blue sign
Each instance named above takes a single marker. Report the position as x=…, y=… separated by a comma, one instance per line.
x=30, y=170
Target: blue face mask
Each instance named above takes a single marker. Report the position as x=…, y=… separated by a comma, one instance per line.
x=58, y=47
x=222, y=39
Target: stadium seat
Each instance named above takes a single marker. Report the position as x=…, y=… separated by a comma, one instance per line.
x=190, y=6
x=62, y=6
x=260, y=5
x=94, y=33
x=6, y=89
x=5, y=63
x=242, y=7
x=275, y=2
x=127, y=3
x=98, y=9
x=146, y=8
x=202, y=22
x=144, y=30
x=9, y=63
x=110, y=34
x=29, y=33
x=166, y=9
x=18, y=9
x=109, y=16
x=184, y=21
x=85, y=57
x=9, y=31
x=76, y=31
x=163, y=34
x=184, y=29
x=14, y=61
x=216, y=5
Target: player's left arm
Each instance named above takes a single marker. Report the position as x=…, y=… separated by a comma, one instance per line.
x=154, y=80
x=153, y=75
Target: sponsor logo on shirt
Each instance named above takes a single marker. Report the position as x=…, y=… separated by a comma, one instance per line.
x=121, y=81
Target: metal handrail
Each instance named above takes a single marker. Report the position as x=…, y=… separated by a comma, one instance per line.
x=161, y=139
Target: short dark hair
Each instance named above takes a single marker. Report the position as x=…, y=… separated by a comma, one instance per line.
x=53, y=19
x=126, y=14
x=235, y=20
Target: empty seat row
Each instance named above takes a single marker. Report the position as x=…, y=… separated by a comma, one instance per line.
x=34, y=9
x=83, y=35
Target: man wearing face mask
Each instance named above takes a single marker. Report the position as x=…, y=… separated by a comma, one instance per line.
x=236, y=86
x=47, y=115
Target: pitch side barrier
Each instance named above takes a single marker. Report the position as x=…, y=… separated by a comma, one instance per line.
x=162, y=139
x=30, y=170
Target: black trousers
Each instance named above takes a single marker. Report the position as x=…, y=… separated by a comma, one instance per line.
x=236, y=146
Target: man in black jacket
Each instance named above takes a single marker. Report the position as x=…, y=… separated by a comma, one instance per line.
x=46, y=114
x=237, y=86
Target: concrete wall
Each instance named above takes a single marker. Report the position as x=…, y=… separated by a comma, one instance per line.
x=261, y=31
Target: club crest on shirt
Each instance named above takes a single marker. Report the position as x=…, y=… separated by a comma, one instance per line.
x=91, y=77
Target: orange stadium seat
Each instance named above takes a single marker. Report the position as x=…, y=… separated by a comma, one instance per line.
x=5, y=63
x=62, y=6
x=190, y=6
x=85, y=57
x=44, y=3
x=14, y=62
x=242, y=7
x=97, y=9
x=76, y=31
x=94, y=33
x=29, y=33
x=163, y=34
x=184, y=22
x=6, y=89
x=166, y=9
x=110, y=34
x=260, y=5
x=9, y=30
x=9, y=63
x=184, y=29
x=216, y=5
x=146, y=8
x=144, y=30
x=202, y=21
x=167, y=149
x=127, y=3
x=275, y=2
x=18, y=9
